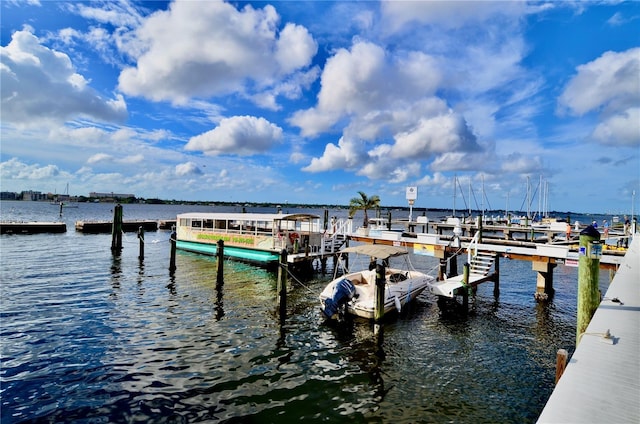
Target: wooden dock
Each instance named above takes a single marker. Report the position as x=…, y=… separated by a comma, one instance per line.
x=601, y=383
x=544, y=256
x=32, y=227
x=96, y=227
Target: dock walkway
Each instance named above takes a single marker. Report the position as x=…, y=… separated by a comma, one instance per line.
x=601, y=382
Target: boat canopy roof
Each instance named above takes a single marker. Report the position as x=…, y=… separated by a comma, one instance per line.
x=249, y=216
x=379, y=251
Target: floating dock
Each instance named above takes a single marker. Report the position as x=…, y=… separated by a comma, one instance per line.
x=96, y=227
x=601, y=383
x=32, y=227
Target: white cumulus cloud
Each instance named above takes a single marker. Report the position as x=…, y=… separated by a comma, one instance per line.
x=610, y=86
x=41, y=84
x=241, y=135
x=188, y=168
x=203, y=49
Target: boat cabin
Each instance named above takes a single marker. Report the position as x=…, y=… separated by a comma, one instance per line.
x=256, y=237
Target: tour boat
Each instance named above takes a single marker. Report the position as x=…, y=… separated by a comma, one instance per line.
x=253, y=237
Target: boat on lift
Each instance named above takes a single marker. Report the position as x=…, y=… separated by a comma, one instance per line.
x=354, y=292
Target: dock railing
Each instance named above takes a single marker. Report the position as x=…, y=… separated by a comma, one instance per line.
x=473, y=247
x=335, y=235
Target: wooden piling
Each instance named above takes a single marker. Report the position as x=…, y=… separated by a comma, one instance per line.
x=141, y=240
x=379, y=293
x=453, y=266
x=496, y=277
x=220, y=263
x=588, y=278
x=116, y=229
x=561, y=363
x=172, y=242
x=465, y=286
x=282, y=285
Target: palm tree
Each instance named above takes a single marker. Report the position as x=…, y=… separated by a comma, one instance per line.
x=363, y=203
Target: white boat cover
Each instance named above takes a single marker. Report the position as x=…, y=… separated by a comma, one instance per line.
x=378, y=251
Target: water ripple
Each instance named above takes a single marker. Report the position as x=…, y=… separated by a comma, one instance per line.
x=91, y=337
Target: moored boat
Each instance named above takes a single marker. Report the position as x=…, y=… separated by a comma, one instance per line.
x=354, y=293
x=254, y=237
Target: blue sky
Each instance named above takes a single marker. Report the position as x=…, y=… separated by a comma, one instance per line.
x=312, y=102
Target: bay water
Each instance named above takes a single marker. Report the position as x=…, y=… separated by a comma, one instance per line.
x=91, y=337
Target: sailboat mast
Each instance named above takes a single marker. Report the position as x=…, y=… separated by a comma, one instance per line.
x=528, y=198
x=455, y=181
x=469, y=196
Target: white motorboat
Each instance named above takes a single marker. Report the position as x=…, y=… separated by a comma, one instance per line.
x=354, y=292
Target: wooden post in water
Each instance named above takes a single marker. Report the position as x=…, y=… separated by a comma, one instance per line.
x=465, y=281
x=220, y=263
x=589, y=253
x=326, y=220
x=172, y=242
x=561, y=363
x=282, y=284
x=496, y=277
x=60, y=208
x=453, y=266
x=379, y=293
x=141, y=239
x=116, y=229
x=442, y=269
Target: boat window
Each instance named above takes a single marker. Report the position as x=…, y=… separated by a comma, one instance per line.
x=221, y=224
x=184, y=222
x=196, y=223
x=208, y=223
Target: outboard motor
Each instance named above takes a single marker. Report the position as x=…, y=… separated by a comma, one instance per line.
x=342, y=293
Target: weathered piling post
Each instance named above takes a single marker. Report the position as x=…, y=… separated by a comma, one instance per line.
x=442, y=269
x=496, y=277
x=379, y=293
x=282, y=284
x=141, y=239
x=465, y=288
x=220, y=263
x=60, y=208
x=590, y=251
x=172, y=242
x=453, y=266
x=544, y=279
x=480, y=223
x=561, y=363
x=326, y=220
x=116, y=229
x=389, y=220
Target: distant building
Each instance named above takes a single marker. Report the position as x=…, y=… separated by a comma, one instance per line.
x=110, y=195
x=33, y=195
x=8, y=195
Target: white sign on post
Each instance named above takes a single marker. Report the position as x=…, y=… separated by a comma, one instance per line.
x=412, y=193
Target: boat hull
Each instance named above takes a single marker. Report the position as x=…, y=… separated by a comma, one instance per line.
x=261, y=257
x=397, y=293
